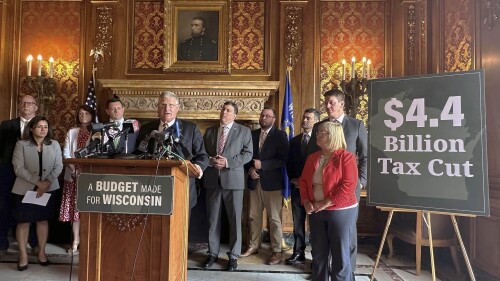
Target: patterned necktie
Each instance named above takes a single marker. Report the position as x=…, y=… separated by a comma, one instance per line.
x=222, y=140
x=305, y=141
x=262, y=139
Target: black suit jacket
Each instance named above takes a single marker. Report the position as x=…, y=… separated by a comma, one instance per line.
x=273, y=158
x=10, y=133
x=296, y=159
x=356, y=138
x=191, y=147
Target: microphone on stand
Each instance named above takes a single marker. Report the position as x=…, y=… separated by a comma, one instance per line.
x=90, y=149
x=129, y=126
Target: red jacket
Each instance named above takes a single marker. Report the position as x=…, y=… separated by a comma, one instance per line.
x=340, y=176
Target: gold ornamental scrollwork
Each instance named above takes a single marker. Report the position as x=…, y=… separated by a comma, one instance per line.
x=293, y=35
x=104, y=31
x=126, y=222
x=492, y=7
x=411, y=24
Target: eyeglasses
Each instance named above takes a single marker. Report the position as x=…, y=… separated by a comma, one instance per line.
x=267, y=116
x=318, y=133
x=170, y=105
x=28, y=103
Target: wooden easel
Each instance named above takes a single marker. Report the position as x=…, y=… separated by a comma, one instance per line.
x=428, y=214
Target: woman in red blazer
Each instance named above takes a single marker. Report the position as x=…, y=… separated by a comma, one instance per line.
x=327, y=190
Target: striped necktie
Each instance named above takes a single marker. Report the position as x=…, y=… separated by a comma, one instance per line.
x=222, y=140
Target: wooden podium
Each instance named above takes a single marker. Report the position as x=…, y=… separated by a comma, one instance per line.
x=136, y=247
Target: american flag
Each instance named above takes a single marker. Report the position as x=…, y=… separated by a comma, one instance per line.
x=91, y=97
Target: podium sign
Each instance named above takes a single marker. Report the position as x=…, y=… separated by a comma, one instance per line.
x=125, y=194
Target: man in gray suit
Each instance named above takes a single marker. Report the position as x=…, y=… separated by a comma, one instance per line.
x=229, y=146
x=356, y=138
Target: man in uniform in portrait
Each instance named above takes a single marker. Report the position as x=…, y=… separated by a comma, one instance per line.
x=199, y=47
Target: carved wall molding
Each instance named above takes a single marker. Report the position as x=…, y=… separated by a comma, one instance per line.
x=293, y=34
x=199, y=100
x=411, y=24
x=104, y=32
x=492, y=8
x=126, y=222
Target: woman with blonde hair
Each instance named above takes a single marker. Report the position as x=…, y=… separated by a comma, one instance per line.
x=327, y=190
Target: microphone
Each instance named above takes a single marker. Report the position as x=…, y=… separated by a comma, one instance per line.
x=102, y=126
x=89, y=149
x=132, y=125
x=143, y=145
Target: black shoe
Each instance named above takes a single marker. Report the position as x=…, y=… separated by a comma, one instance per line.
x=296, y=258
x=44, y=263
x=210, y=261
x=22, y=268
x=232, y=265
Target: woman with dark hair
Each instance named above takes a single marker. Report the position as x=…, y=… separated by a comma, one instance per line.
x=76, y=138
x=327, y=190
x=37, y=163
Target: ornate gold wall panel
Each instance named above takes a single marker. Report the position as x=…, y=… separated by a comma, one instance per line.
x=248, y=35
x=351, y=29
x=458, y=35
x=148, y=34
x=293, y=35
x=52, y=29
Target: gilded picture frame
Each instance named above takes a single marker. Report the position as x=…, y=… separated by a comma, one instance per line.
x=197, y=36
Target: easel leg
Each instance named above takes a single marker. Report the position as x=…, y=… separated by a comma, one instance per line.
x=418, y=243
x=431, y=247
x=464, y=251
x=389, y=218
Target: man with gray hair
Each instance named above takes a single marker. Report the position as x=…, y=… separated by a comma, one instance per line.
x=190, y=145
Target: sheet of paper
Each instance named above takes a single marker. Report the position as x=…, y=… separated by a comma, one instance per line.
x=31, y=198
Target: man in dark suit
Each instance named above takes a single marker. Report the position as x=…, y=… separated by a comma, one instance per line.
x=10, y=132
x=199, y=47
x=265, y=184
x=115, y=111
x=229, y=146
x=356, y=138
x=190, y=144
x=296, y=159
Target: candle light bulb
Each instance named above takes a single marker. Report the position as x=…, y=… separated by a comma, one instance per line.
x=29, y=59
x=39, y=65
x=353, y=67
x=369, y=63
x=51, y=67
x=343, y=69
x=363, y=70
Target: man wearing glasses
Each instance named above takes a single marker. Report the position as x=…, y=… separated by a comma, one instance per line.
x=10, y=132
x=190, y=141
x=265, y=184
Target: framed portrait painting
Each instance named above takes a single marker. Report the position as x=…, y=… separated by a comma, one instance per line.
x=197, y=36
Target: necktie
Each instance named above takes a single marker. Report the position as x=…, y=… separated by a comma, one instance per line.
x=25, y=130
x=116, y=141
x=165, y=126
x=262, y=139
x=222, y=140
x=305, y=141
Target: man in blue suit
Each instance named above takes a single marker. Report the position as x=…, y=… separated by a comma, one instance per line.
x=115, y=111
x=229, y=146
x=356, y=138
x=296, y=159
x=265, y=184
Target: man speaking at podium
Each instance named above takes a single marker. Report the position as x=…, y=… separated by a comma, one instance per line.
x=190, y=141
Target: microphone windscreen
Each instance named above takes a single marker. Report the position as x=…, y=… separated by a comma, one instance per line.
x=132, y=125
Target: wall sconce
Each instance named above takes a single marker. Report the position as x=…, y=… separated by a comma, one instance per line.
x=356, y=86
x=43, y=88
